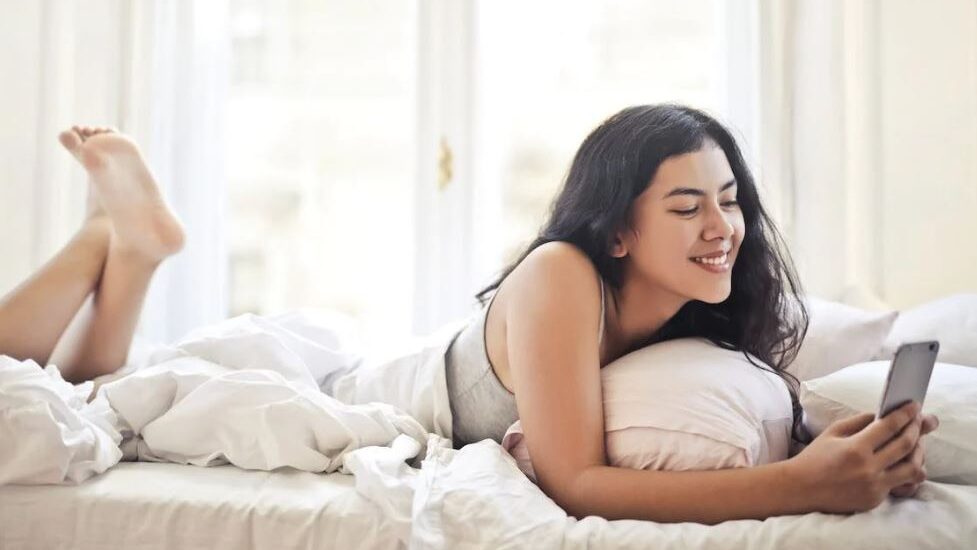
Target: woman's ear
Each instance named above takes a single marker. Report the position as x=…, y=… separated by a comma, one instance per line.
x=619, y=249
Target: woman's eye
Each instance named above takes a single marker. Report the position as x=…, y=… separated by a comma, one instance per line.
x=691, y=211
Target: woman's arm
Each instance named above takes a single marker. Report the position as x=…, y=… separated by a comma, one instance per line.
x=552, y=319
x=851, y=467
x=710, y=496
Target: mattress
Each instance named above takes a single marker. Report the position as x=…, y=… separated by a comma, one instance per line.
x=161, y=506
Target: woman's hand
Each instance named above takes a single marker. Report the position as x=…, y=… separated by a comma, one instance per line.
x=858, y=461
x=918, y=457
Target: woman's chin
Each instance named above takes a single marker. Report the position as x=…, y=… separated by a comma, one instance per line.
x=718, y=296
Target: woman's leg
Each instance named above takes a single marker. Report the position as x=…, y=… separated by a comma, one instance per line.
x=142, y=234
x=34, y=315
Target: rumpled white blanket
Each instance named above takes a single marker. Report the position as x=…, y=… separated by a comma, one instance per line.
x=247, y=391
x=48, y=433
x=477, y=497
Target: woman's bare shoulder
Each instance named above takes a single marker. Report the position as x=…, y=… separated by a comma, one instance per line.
x=557, y=262
x=557, y=274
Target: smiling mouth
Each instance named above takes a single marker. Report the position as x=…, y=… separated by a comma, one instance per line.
x=719, y=260
x=718, y=265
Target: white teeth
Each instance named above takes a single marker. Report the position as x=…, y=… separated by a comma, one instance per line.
x=713, y=261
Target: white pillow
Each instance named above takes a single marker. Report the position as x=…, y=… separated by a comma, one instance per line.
x=951, y=450
x=863, y=298
x=839, y=335
x=951, y=320
x=686, y=404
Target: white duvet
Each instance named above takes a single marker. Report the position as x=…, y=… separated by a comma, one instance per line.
x=245, y=392
x=262, y=393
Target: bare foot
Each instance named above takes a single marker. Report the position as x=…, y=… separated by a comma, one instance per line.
x=142, y=222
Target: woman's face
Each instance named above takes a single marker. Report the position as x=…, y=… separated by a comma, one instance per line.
x=688, y=211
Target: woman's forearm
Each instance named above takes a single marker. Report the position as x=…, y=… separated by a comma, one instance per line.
x=700, y=496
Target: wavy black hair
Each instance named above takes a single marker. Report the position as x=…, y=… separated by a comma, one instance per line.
x=763, y=316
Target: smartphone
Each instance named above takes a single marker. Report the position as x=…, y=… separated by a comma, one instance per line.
x=909, y=375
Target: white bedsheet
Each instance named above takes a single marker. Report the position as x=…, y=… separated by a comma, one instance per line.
x=139, y=505
x=473, y=498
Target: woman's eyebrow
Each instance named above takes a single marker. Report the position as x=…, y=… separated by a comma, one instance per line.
x=697, y=192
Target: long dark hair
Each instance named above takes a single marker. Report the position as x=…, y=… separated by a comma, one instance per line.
x=763, y=316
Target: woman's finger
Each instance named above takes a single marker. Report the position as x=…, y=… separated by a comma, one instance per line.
x=908, y=471
x=930, y=423
x=901, y=446
x=905, y=491
x=883, y=430
x=909, y=489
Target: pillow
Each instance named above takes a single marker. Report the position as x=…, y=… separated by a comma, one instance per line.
x=951, y=450
x=863, y=298
x=839, y=335
x=951, y=320
x=686, y=404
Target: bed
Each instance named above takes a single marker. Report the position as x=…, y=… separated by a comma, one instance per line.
x=392, y=482
x=473, y=501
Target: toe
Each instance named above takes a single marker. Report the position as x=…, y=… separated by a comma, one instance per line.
x=70, y=140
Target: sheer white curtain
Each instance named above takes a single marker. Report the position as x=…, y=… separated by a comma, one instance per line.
x=183, y=100
x=60, y=65
x=820, y=130
x=870, y=140
x=156, y=71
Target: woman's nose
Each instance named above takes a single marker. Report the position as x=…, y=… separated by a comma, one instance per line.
x=717, y=225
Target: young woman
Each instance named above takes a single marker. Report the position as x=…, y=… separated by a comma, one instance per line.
x=640, y=247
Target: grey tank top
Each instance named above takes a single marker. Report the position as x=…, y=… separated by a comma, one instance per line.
x=481, y=407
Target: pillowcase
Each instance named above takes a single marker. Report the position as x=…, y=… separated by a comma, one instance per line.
x=951, y=450
x=839, y=335
x=686, y=404
x=951, y=320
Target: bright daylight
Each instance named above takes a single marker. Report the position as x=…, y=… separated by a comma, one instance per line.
x=439, y=274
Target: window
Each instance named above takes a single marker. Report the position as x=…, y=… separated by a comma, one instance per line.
x=320, y=122
x=326, y=209
x=549, y=75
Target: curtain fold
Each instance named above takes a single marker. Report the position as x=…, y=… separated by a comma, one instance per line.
x=181, y=93
x=819, y=118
